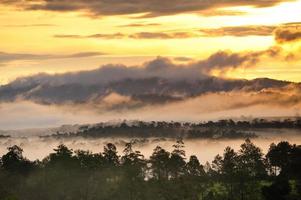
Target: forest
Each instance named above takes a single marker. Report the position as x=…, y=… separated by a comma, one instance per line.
x=222, y=129
x=67, y=174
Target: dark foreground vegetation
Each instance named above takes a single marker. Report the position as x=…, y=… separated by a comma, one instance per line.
x=221, y=129
x=245, y=174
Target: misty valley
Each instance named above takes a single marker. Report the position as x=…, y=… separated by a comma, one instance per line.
x=150, y=100
x=225, y=159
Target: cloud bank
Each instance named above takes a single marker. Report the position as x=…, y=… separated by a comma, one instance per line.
x=138, y=35
x=158, y=80
x=288, y=33
x=210, y=106
x=239, y=31
x=8, y=57
x=150, y=8
x=156, y=90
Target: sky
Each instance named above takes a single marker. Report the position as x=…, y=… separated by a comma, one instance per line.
x=64, y=42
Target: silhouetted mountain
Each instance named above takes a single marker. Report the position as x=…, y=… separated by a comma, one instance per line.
x=149, y=91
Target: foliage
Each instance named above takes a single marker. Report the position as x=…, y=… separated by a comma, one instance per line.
x=82, y=175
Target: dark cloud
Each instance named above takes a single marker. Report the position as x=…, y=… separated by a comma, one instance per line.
x=69, y=36
x=8, y=57
x=82, y=54
x=290, y=32
x=210, y=13
x=161, y=67
x=183, y=59
x=108, y=36
x=139, y=35
x=283, y=33
x=103, y=36
x=224, y=60
x=159, y=80
x=148, y=7
x=162, y=35
x=160, y=86
x=239, y=31
x=158, y=68
x=140, y=25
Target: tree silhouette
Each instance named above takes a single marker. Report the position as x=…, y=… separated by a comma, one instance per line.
x=110, y=155
x=133, y=161
x=82, y=175
x=278, y=157
x=194, y=168
x=229, y=169
x=177, y=159
x=14, y=161
x=160, y=163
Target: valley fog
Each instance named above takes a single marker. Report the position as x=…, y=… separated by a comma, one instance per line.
x=36, y=147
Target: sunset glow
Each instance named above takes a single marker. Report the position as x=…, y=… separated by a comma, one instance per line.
x=44, y=32
x=96, y=60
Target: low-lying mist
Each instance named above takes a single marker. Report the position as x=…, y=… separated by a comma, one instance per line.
x=211, y=106
x=36, y=147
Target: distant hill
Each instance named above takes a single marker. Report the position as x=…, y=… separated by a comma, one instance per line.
x=148, y=91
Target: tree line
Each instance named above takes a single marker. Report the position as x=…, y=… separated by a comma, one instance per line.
x=219, y=129
x=245, y=174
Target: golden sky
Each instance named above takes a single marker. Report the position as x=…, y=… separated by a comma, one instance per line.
x=63, y=35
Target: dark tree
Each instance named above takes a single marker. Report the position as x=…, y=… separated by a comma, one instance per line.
x=160, y=163
x=278, y=157
x=177, y=159
x=194, y=168
x=110, y=155
x=229, y=170
x=14, y=161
